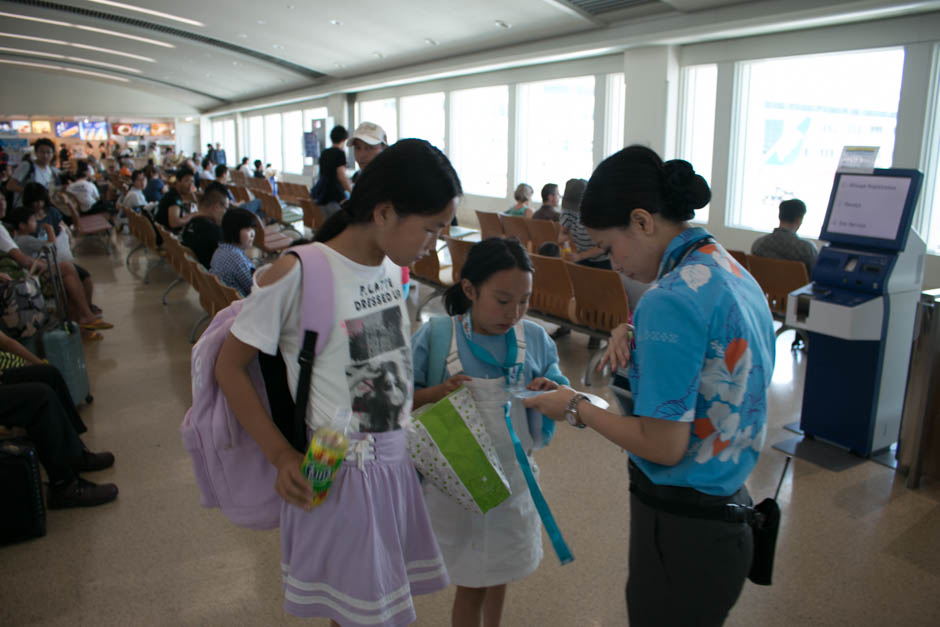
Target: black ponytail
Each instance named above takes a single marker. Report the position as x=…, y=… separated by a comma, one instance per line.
x=484, y=259
x=636, y=178
x=412, y=175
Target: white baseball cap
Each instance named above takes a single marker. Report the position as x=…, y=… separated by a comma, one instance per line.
x=370, y=133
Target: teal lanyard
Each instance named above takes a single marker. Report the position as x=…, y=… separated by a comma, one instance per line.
x=513, y=375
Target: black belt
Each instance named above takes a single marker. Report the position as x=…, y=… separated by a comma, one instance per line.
x=728, y=512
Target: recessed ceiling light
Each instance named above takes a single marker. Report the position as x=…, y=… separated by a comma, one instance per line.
x=277, y=46
x=378, y=55
x=168, y=16
x=242, y=35
x=188, y=118
x=91, y=29
x=234, y=62
x=49, y=66
x=261, y=22
x=336, y=22
x=291, y=7
x=339, y=65
x=502, y=24
x=430, y=42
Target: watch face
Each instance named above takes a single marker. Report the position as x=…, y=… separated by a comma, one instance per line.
x=571, y=419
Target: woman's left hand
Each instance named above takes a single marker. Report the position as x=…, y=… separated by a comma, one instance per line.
x=541, y=383
x=552, y=404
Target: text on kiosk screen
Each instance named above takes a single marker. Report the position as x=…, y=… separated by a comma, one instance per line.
x=869, y=206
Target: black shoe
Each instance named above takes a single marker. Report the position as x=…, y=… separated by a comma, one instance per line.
x=90, y=462
x=80, y=493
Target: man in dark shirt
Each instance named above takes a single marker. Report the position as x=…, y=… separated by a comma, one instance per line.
x=333, y=185
x=550, y=201
x=784, y=243
x=171, y=212
x=203, y=231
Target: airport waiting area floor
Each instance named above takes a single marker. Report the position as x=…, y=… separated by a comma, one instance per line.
x=855, y=548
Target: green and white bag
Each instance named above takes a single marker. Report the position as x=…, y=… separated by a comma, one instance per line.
x=451, y=448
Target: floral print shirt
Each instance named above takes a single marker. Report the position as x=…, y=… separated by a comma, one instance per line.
x=704, y=354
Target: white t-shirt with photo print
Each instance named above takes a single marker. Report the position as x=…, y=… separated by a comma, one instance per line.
x=366, y=363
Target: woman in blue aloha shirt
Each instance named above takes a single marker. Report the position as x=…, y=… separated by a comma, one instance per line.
x=700, y=360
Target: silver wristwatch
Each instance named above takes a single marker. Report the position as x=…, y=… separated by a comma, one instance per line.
x=572, y=415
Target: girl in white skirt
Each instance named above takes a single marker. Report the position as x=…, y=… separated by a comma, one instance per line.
x=492, y=351
x=358, y=557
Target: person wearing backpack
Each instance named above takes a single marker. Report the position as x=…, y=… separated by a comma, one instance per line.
x=360, y=555
x=39, y=169
x=490, y=349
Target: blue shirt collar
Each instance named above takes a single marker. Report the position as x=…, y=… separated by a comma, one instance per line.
x=679, y=244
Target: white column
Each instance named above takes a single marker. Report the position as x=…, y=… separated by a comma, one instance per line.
x=651, y=76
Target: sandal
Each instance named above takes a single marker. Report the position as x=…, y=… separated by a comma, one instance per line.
x=93, y=336
x=97, y=325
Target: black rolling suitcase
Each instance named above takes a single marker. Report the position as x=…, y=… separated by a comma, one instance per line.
x=23, y=512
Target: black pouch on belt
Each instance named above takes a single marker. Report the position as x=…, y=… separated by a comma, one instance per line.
x=764, y=527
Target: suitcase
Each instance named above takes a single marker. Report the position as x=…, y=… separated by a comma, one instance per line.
x=61, y=342
x=24, y=514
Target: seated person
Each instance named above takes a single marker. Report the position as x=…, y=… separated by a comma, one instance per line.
x=784, y=243
x=588, y=253
x=253, y=205
x=258, y=172
x=207, y=173
x=244, y=168
x=84, y=190
x=229, y=261
x=36, y=398
x=78, y=300
x=155, y=188
x=36, y=197
x=172, y=211
x=203, y=232
x=135, y=199
x=550, y=200
x=522, y=195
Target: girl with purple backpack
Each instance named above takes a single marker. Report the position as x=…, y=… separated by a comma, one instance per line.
x=359, y=556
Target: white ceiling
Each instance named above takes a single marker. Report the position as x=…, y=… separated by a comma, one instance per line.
x=248, y=49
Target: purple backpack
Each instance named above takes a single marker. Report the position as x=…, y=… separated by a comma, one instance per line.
x=231, y=470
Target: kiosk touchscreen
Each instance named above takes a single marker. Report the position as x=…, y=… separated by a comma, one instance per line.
x=859, y=311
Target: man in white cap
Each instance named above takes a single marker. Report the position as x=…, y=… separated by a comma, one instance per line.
x=368, y=141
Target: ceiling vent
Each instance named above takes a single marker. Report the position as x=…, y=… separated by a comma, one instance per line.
x=599, y=7
x=169, y=30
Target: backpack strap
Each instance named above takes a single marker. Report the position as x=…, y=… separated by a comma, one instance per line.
x=439, y=345
x=316, y=320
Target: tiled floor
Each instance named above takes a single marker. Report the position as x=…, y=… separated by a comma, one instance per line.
x=855, y=547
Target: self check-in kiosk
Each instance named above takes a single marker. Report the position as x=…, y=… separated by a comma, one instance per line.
x=859, y=311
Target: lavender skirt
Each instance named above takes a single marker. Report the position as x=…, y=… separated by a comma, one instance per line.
x=360, y=556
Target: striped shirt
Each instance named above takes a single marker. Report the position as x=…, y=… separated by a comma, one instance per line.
x=578, y=233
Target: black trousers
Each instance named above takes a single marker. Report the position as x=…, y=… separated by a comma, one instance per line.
x=51, y=376
x=37, y=407
x=603, y=265
x=684, y=571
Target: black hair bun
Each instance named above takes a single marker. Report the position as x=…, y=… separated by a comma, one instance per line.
x=684, y=190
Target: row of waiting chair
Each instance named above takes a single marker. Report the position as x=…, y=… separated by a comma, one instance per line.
x=532, y=233
x=589, y=300
x=213, y=294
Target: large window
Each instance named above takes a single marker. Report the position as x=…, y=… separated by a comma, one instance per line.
x=228, y=141
x=697, y=122
x=555, y=137
x=292, y=128
x=480, y=134
x=423, y=117
x=255, y=138
x=930, y=195
x=794, y=115
x=616, y=114
x=381, y=112
x=272, y=141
